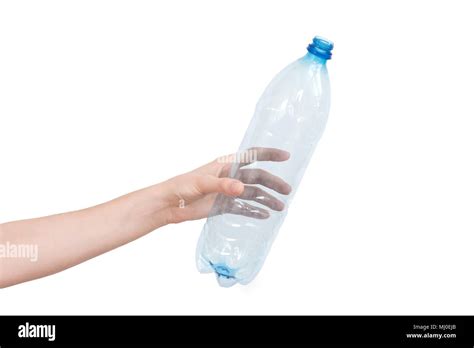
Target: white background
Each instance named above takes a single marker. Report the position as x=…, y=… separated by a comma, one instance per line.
x=99, y=98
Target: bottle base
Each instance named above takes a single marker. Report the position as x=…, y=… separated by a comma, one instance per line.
x=224, y=274
x=225, y=282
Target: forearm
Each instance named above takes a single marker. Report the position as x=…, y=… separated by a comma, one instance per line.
x=65, y=240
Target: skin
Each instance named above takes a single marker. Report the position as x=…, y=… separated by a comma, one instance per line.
x=65, y=240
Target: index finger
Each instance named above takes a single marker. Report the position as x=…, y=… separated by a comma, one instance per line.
x=255, y=154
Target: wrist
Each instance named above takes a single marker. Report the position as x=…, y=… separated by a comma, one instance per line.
x=162, y=200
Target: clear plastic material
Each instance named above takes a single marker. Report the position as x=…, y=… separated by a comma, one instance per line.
x=291, y=115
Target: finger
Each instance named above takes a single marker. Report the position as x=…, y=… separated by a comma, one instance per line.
x=245, y=209
x=262, y=177
x=254, y=154
x=229, y=163
x=207, y=184
x=258, y=195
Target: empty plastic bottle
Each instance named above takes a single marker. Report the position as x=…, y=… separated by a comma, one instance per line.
x=291, y=115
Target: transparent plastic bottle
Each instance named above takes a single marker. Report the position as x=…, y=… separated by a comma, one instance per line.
x=291, y=115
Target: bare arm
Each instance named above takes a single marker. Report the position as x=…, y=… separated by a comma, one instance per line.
x=65, y=240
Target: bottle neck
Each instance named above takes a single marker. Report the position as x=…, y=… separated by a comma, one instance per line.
x=315, y=58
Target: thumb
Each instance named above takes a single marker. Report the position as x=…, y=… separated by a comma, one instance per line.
x=210, y=184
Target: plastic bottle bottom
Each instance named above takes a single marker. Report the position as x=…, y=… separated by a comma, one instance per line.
x=225, y=275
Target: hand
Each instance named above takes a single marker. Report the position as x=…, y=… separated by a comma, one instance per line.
x=191, y=196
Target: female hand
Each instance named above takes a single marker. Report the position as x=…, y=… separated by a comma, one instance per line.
x=191, y=195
